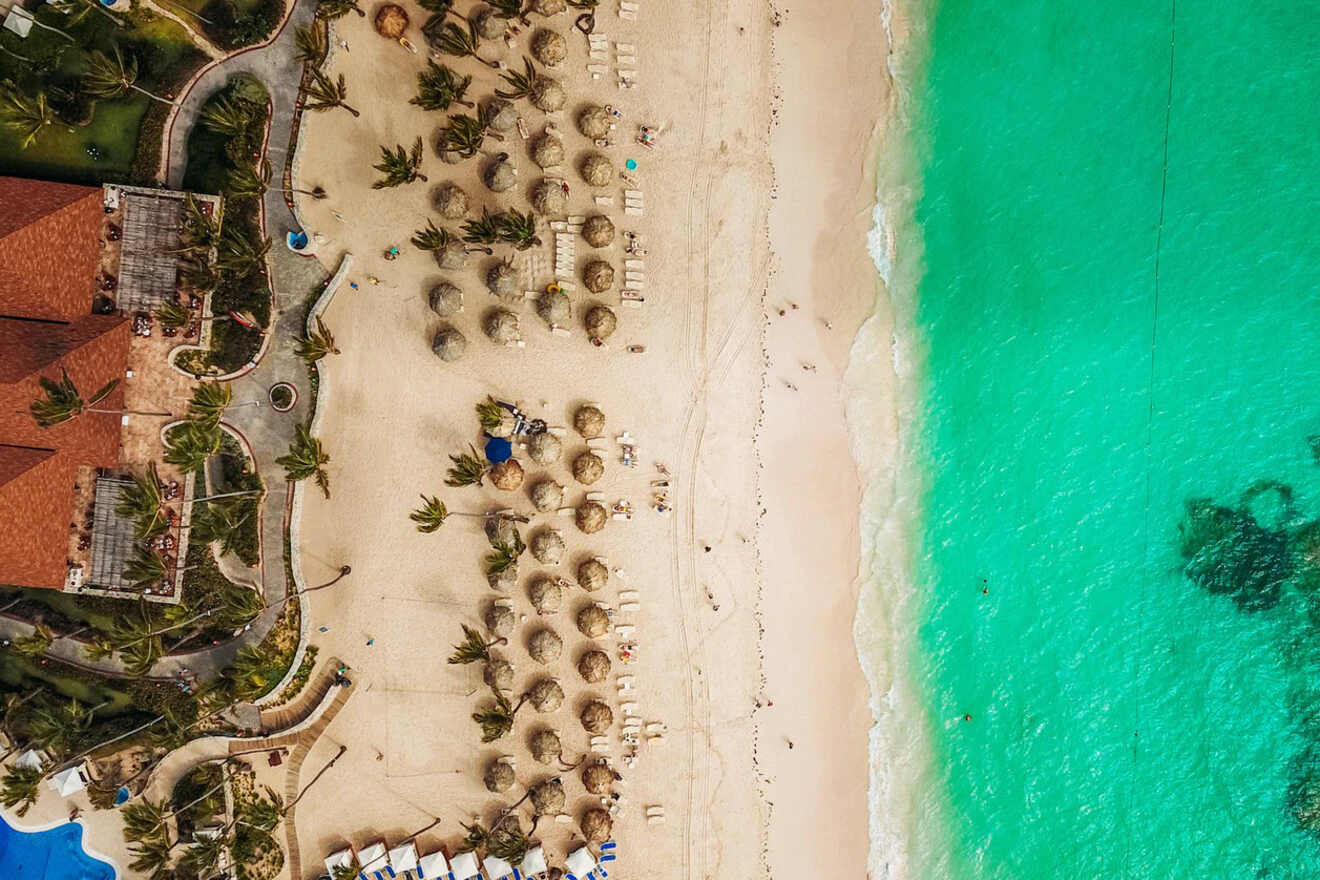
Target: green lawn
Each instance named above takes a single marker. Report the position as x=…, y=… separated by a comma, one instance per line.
x=165, y=57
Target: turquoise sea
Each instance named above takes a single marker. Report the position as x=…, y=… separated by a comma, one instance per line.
x=1112, y=277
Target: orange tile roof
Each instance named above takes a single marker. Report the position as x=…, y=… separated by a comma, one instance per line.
x=49, y=248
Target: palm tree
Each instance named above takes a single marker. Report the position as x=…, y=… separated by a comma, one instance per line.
x=504, y=555
x=464, y=135
x=249, y=180
x=228, y=116
x=468, y=469
x=112, y=77
x=473, y=647
x=98, y=648
x=325, y=94
x=430, y=516
x=250, y=673
x=438, y=9
x=151, y=858
x=143, y=503
x=509, y=9
x=199, y=230
x=36, y=644
x=438, y=87
x=475, y=838
x=454, y=40
x=191, y=443
x=330, y=10
x=203, y=857
x=507, y=840
x=263, y=813
x=146, y=570
x=306, y=459
x=139, y=656
x=63, y=402
x=431, y=238
x=200, y=277
x=28, y=116
x=20, y=788
x=311, y=44
x=521, y=85
x=209, y=402
x=400, y=166
x=172, y=315
x=485, y=230
x=221, y=522
x=518, y=229
x=241, y=255
x=497, y=721
x=317, y=343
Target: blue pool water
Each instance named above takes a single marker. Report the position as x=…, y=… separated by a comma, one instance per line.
x=56, y=854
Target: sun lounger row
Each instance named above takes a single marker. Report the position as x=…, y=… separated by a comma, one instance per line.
x=378, y=864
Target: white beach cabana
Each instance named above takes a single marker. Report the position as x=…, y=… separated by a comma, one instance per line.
x=402, y=858
x=70, y=781
x=534, y=862
x=29, y=760
x=497, y=868
x=341, y=859
x=433, y=865
x=373, y=861
x=464, y=866
x=580, y=862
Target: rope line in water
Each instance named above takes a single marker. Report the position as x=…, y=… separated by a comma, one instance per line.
x=1150, y=434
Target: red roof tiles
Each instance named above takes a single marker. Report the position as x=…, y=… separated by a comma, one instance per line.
x=49, y=248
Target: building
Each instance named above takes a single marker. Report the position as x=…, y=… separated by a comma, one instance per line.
x=79, y=269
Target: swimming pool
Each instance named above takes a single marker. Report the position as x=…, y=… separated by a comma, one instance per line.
x=54, y=854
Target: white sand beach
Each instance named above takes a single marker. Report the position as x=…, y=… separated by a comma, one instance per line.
x=747, y=592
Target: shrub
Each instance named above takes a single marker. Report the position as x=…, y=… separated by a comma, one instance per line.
x=233, y=27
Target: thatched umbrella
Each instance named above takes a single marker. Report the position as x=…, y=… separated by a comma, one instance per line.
x=504, y=579
x=601, y=322
x=593, y=666
x=501, y=115
x=590, y=517
x=589, y=422
x=598, y=276
x=498, y=777
x=501, y=325
x=554, y=308
x=545, y=746
x=594, y=121
x=545, y=646
x=597, y=170
x=549, y=47
x=544, y=448
x=498, y=674
x=547, y=495
x=593, y=621
x=507, y=475
x=448, y=344
x=501, y=530
x=548, y=546
x=549, y=197
x=548, y=7
x=448, y=156
x=598, y=230
x=597, y=825
x=451, y=201
x=592, y=575
x=546, y=595
x=548, y=151
x=499, y=620
x=597, y=717
x=489, y=25
x=546, y=695
x=502, y=280
x=500, y=176
x=588, y=468
x=452, y=256
x=548, y=798
x=597, y=778
x=548, y=95
x=446, y=300
x=391, y=21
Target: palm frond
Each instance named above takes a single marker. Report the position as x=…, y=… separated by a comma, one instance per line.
x=438, y=87
x=471, y=649
x=468, y=469
x=431, y=515
x=431, y=238
x=521, y=84
x=317, y=343
x=484, y=230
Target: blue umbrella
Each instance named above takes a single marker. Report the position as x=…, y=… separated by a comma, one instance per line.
x=498, y=449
